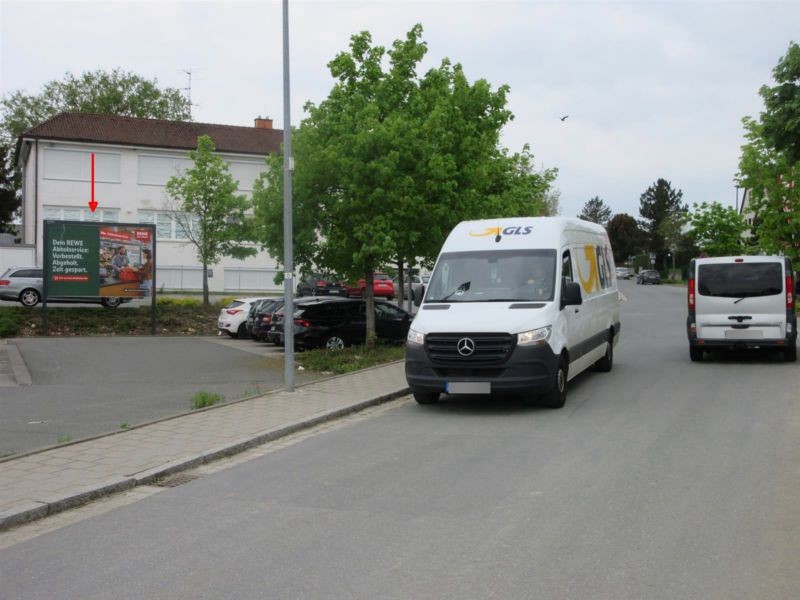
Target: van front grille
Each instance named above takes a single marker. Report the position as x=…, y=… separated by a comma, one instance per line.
x=489, y=348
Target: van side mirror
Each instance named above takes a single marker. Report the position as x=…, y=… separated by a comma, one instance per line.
x=418, y=294
x=571, y=294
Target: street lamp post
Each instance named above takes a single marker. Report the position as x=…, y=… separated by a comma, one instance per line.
x=288, y=258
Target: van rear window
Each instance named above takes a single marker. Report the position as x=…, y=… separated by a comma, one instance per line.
x=740, y=280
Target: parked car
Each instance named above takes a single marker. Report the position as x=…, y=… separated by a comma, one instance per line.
x=336, y=323
x=624, y=273
x=382, y=287
x=233, y=318
x=262, y=321
x=26, y=285
x=317, y=285
x=270, y=325
x=256, y=308
x=651, y=277
x=416, y=284
x=742, y=302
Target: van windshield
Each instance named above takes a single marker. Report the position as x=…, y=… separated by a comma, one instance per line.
x=740, y=280
x=494, y=276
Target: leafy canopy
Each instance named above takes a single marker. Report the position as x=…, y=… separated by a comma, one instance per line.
x=596, y=211
x=717, y=229
x=659, y=202
x=769, y=166
x=625, y=235
x=116, y=92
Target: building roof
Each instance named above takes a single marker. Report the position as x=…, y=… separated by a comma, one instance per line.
x=154, y=133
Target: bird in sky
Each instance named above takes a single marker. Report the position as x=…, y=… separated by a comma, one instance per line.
x=565, y=117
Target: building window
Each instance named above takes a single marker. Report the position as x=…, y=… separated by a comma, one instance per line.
x=169, y=226
x=156, y=170
x=76, y=165
x=66, y=213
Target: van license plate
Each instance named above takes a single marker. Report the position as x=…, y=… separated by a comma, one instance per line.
x=743, y=334
x=468, y=387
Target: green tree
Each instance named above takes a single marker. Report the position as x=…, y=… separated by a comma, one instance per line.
x=596, y=211
x=116, y=92
x=769, y=166
x=207, y=208
x=781, y=117
x=717, y=229
x=656, y=204
x=625, y=235
x=391, y=160
x=9, y=198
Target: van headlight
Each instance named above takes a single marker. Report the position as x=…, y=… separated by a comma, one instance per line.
x=534, y=337
x=415, y=337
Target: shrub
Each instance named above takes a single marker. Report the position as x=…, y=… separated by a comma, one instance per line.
x=203, y=399
x=10, y=322
x=172, y=301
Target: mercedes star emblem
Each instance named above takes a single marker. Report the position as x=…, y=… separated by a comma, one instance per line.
x=465, y=346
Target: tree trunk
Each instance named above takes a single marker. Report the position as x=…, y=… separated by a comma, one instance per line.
x=370, y=296
x=400, y=282
x=205, y=283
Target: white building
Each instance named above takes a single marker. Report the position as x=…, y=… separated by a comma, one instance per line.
x=134, y=158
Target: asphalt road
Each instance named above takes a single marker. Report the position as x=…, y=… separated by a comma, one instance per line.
x=662, y=479
x=85, y=386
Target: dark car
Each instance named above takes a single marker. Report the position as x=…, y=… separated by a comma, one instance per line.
x=269, y=324
x=334, y=324
x=317, y=285
x=651, y=277
x=256, y=308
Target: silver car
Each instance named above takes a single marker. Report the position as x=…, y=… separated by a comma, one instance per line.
x=25, y=284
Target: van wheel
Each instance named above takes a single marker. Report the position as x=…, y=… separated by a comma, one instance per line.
x=29, y=297
x=790, y=354
x=605, y=364
x=696, y=354
x=557, y=396
x=426, y=397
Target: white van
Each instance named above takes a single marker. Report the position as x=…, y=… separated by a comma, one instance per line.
x=741, y=302
x=516, y=305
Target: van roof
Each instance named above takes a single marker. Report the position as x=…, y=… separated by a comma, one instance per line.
x=518, y=233
x=746, y=259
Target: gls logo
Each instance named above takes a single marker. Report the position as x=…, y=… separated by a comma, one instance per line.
x=507, y=231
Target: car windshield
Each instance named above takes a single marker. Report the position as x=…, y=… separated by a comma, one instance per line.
x=740, y=280
x=494, y=276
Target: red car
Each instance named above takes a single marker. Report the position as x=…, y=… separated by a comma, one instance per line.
x=382, y=287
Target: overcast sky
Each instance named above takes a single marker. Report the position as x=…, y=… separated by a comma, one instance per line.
x=652, y=89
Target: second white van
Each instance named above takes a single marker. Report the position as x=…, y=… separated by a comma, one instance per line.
x=519, y=306
x=741, y=302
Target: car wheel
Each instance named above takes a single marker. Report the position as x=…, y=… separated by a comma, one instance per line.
x=241, y=333
x=333, y=342
x=605, y=364
x=112, y=302
x=557, y=396
x=426, y=397
x=696, y=354
x=790, y=354
x=29, y=297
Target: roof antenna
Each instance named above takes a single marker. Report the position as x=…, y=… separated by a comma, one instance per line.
x=188, y=89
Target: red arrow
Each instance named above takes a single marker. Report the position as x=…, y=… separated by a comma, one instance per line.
x=92, y=203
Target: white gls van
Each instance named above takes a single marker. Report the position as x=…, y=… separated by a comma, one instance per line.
x=516, y=305
x=741, y=302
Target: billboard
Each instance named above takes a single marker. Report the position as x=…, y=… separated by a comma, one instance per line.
x=93, y=259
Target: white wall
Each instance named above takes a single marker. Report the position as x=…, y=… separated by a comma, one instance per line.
x=16, y=256
x=131, y=180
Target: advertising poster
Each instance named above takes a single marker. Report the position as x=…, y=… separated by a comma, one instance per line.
x=99, y=259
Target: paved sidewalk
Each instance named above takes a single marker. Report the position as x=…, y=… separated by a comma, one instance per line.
x=47, y=482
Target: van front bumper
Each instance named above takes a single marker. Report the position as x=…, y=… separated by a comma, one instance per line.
x=527, y=370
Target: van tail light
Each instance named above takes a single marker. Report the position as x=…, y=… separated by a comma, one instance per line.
x=691, y=293
x=302, y=322
x=5, y=282
x=789, y=292
x=233, y=311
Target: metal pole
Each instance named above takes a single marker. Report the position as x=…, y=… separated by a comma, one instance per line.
x=288, y=258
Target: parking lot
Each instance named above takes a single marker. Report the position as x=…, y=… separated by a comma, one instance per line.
x=85, y=386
